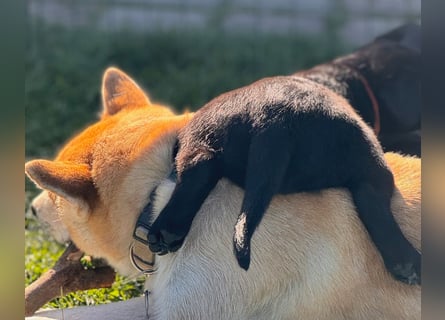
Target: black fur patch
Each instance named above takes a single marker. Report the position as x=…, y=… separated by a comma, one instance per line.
x=283, y=135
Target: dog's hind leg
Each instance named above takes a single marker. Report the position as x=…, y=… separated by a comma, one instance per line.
x=373, y=200
x=268, y=159
x=168, y=231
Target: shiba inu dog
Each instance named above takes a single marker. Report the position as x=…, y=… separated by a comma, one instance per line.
x=96, y=187
x=283, y=135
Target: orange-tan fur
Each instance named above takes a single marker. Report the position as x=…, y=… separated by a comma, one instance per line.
x=313, y=258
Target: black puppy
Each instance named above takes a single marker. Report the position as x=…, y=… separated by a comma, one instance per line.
x=283, y=135
x=381, y=81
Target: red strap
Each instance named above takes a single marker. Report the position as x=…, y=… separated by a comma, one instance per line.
x=375, y=104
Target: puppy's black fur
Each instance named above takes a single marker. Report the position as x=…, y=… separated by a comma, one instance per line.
x=283, y=135
x=391, y=67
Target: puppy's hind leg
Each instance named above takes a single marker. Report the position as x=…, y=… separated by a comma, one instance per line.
x=373, y=200
x=266, y=166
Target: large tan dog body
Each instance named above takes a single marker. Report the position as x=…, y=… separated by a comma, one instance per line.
x=101, y=180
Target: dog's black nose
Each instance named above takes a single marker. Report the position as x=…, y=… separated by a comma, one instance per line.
x=34, y=211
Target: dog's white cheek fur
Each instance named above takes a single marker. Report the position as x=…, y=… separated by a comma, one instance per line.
x=49, y=217
x=163, y=194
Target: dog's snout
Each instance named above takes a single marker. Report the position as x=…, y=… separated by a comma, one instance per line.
x=33, y=211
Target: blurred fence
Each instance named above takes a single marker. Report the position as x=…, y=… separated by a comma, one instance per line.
x=353, y=21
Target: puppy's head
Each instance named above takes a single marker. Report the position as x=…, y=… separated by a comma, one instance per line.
x=392, y=66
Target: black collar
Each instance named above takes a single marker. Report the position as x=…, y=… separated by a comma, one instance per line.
x=141, y=257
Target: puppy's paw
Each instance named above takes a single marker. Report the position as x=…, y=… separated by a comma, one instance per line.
x=156, y=244
x=407, y=271
x=163, y=241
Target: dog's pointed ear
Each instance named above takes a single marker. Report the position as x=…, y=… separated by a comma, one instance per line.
x=68, y=180
x=119, y=92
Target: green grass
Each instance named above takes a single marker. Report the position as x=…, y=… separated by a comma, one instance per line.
x=183, y=69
